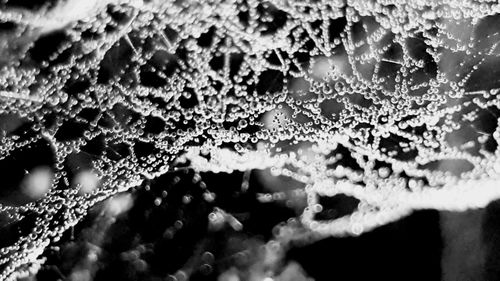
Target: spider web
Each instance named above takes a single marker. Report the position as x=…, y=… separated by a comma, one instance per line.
x=391, y=102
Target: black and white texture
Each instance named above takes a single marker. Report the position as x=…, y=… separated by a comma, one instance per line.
x=233, y=139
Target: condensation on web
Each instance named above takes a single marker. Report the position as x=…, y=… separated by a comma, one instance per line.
x=391, y=102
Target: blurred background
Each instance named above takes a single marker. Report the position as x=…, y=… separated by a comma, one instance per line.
x=145, y=235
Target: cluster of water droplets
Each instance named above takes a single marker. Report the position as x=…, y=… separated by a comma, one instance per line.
x=393, y=103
